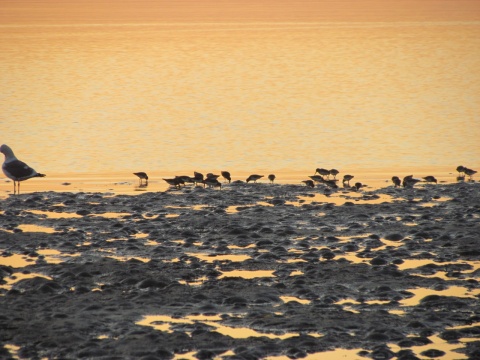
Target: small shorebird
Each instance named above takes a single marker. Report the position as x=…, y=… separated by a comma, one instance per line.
x=460, y=169
x=176, y=182
x=331, y=183
x=142, y=176
x=430, y=179
x=334, y=172
x=271, y=177
x=358, y=185
x=226, y=175
x=212, y=176
x=396, y=181
x=197, y=177
x=322, y=171
x=347, y=178
x=409, y=181
x=469, y=172
x=211, y=182
x=254, y=178
x=309, y=183
x=15, y=169
x=317, y=178
x=186, y=179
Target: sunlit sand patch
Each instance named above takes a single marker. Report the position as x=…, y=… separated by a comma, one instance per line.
x=16, y=260
x=456, y=291
x=16, y=277
x=55, y=215
x=164, y=322
x=36, y=228
x=52, y=256
x=171, y=215
x=212, y=258
x=293, y=298
x=248, y=274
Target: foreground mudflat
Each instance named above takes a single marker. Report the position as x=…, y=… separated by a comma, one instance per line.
x=154, y=276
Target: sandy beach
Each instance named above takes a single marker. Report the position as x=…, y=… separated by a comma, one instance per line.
x=252, y=271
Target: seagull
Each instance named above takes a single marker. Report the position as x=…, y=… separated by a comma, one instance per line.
x=15, y=169
x=226, y=175
x=347, y=178
x=142, y=176
x=309, y=183
x=429, y=179
x=396, y=181
x=469, y=172
x=254, y=178
x=271, y=177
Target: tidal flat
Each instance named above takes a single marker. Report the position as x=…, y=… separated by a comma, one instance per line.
x=251, y=271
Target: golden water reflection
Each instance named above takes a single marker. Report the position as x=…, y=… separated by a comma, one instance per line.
x=248, y=274
x=212, y=257
x=456, y=291
x=164, y=322
x=55, y=215
x=16, y=277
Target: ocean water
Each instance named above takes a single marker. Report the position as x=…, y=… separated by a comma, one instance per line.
x=244, y=96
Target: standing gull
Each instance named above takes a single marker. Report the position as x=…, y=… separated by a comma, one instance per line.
x=15, y=169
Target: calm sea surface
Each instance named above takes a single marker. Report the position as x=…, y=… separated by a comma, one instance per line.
x=241, y=96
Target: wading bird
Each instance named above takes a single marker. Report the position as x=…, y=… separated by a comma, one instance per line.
x=254, y=178
x=142, y=176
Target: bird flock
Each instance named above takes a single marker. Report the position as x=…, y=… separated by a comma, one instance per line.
x=18, y=171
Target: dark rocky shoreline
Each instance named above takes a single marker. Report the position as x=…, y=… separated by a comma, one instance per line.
x=90, y=303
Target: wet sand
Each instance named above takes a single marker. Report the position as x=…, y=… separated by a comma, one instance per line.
x=251, y=271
